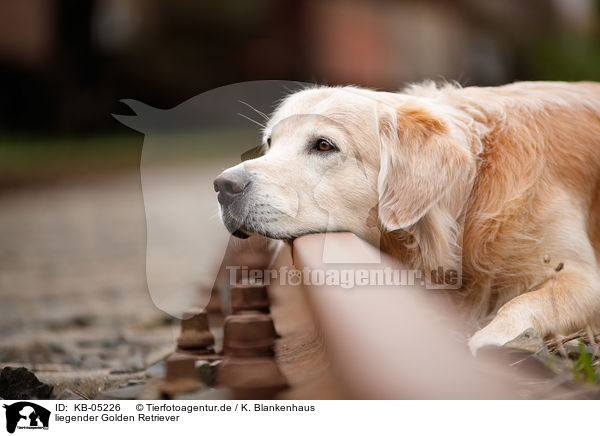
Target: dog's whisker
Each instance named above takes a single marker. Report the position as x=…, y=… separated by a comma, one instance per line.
x=262, y=114
x=253, y=121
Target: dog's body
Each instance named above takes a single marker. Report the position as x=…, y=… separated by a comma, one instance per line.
x=499, y=181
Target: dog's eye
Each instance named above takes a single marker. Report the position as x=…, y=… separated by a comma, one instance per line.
x=324, y=145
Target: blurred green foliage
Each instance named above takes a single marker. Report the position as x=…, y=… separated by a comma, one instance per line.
x=34, y=159
x=28, y=159
x=566, y=55
x=583, y=368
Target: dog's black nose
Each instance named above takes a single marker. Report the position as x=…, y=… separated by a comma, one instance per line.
x=229, y=184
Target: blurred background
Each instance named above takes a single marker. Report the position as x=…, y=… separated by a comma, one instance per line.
x=72, y=222
x=57, y=56
x=65, y=64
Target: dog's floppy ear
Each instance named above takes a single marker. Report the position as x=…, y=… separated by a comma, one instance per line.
x=420, y=163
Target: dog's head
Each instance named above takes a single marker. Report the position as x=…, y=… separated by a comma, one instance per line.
x=346, y=159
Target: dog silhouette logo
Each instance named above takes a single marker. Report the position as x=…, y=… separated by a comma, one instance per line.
x=195, y=132
x=26, y=415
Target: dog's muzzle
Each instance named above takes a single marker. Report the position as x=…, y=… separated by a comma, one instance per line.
x=230, y=186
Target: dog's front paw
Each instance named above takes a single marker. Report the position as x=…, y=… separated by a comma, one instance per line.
x=496, y=333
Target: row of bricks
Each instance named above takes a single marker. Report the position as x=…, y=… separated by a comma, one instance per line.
x=246, y=365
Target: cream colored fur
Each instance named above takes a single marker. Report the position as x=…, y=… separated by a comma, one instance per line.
x=491, y=180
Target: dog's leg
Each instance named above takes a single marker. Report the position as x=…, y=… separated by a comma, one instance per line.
x=566, y=303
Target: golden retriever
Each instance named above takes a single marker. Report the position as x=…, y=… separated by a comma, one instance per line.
x=499, y=181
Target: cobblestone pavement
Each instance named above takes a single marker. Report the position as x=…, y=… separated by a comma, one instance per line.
x=74, y=304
